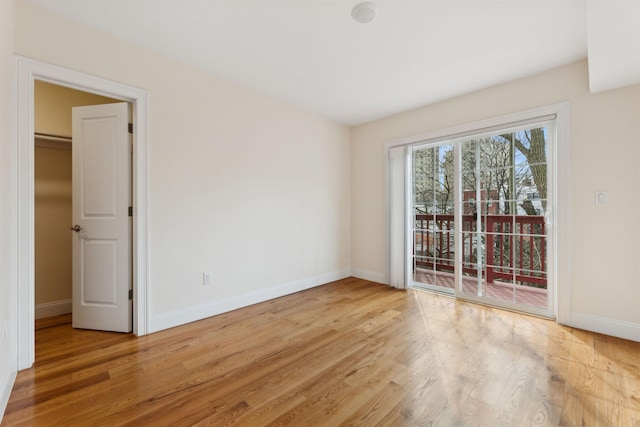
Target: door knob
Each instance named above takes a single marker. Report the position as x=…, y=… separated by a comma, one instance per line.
x=76, y=228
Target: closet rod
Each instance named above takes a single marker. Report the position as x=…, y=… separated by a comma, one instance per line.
x=49, y=137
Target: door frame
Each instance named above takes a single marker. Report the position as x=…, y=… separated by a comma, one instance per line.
x=28, y=71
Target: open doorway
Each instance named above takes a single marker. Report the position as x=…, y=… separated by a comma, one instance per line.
x=30, y=71
x=53, y=196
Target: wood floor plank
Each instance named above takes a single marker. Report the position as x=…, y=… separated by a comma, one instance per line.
x=374, y=410
x=351, y=352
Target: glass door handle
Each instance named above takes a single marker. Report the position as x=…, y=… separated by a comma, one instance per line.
x=548, y=218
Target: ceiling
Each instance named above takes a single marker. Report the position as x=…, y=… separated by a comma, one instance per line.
x=313, y=54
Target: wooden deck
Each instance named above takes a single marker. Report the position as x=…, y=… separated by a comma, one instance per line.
x=517, y=294
x=347, y=353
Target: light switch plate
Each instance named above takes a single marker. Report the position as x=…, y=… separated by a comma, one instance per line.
x=207, y=278
x=601, y=198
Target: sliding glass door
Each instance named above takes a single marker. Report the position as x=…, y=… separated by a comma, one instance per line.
x=478, y=225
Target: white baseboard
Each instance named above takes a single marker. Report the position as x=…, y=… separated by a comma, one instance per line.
x=54, y=308
x=202, y=311
x=5, y=391
x=604, y=325
x=372, y=276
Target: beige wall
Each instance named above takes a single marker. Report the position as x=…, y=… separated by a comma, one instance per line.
x=603, y=241
x=245, y=186
x=8, y=200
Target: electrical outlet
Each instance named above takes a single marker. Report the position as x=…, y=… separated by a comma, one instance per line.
x=207, y=278
x=601, y=198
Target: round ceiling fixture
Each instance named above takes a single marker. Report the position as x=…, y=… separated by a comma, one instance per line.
x=364, y=12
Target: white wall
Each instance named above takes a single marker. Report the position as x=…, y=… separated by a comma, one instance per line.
x=603, y=242
x=242, y=185
x=8, y=270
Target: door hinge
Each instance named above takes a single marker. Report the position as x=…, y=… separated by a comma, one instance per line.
x=130, y=210
x=130, y=127
x=130, y=294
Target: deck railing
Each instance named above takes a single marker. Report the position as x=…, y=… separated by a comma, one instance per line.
x=513, y=247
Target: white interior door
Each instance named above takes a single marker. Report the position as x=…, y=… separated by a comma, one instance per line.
x=101, y=223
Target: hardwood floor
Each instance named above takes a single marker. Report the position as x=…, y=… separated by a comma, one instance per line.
x=347, y=353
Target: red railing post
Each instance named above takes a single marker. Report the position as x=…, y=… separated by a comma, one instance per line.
x=521, y=228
